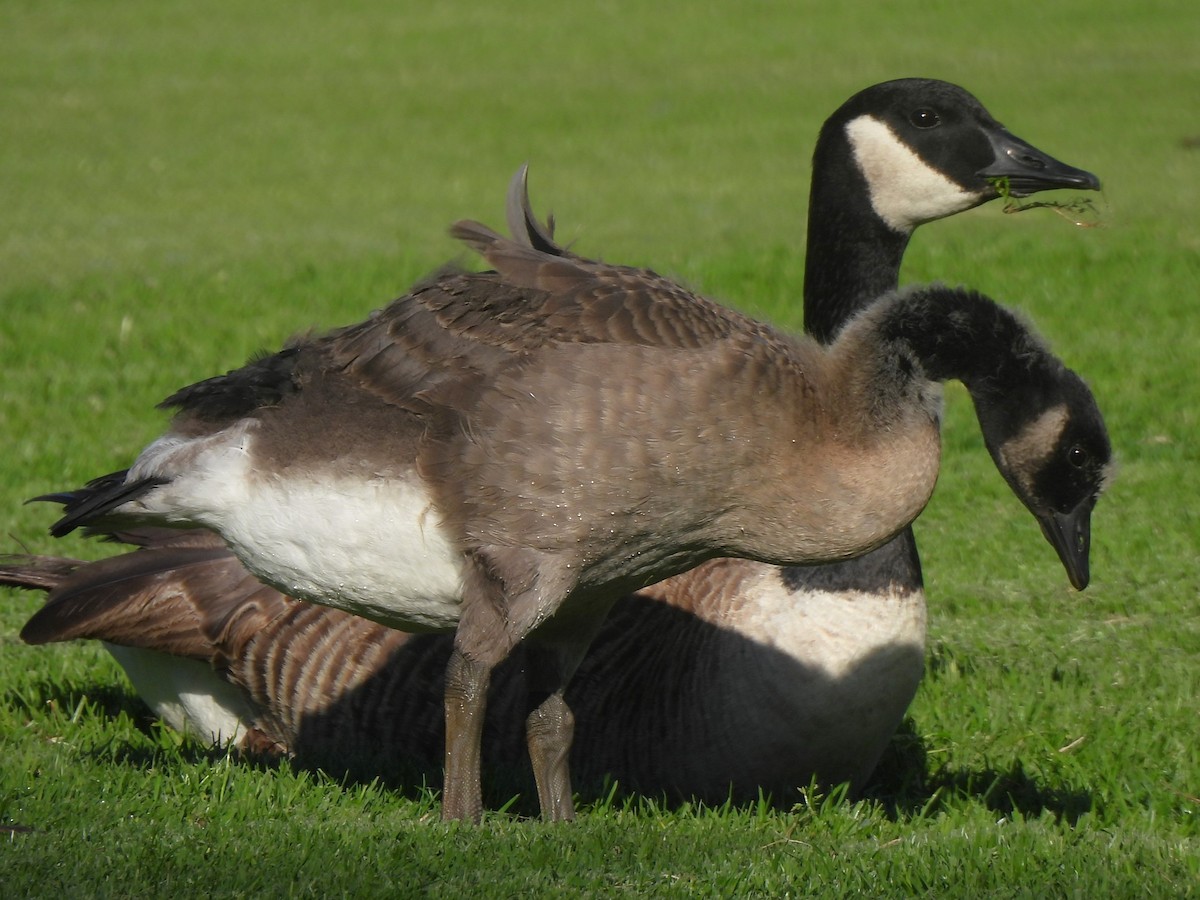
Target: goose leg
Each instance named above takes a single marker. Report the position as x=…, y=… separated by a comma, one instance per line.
x=507, y=594
x=466, y=704
x=549, y=730
x=553, y=653
x=499, y=608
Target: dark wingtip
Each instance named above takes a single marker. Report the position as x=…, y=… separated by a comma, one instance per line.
x=40, y=573
x=523, y=225
x=70, y=501
x=62, y=499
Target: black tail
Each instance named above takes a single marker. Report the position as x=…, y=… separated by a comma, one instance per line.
x=89, y=503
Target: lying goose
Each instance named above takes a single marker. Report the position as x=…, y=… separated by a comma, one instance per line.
x=833, y=700
x=469, y=413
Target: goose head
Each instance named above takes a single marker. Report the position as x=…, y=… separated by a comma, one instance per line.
x=1039, y=419
x=892, y=157
x=1057, y=458
x=925, y=149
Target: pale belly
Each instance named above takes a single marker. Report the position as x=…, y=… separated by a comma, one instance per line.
x=873, y=640
x=186, y=694
x=373, y=546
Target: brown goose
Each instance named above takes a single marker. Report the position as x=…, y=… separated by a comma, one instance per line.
x=467, y=410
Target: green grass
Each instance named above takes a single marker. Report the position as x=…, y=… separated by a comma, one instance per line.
x=185, y=184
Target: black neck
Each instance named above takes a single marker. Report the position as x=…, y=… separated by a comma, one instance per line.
x=962, y=335
x=853, y=257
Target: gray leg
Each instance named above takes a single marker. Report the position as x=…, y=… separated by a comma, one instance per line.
x=466, y=704
x=549, y=730
x=553, y=653
x=482, y=641
x=509, y=593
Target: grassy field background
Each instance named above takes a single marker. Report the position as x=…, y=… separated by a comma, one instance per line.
x=184, y=184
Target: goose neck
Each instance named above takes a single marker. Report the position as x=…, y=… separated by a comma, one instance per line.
x=962, y=335
x=853, y=258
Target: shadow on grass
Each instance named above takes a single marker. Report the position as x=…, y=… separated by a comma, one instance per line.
x=902, y=784
x=148, y=744
x=389, y=728
x=906, y=788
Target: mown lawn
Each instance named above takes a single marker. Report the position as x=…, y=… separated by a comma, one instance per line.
x=185, y=184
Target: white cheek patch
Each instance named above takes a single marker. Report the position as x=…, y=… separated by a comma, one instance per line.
x=905, y=191
x=1107, y=475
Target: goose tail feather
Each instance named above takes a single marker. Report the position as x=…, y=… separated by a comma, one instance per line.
x=523, y=225
x=99, y=496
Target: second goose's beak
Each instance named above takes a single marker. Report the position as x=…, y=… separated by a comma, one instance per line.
x=1029, y=170
x=1071, y=536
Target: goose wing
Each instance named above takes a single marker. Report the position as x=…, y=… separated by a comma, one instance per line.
x=461, y=329
x=146, y=599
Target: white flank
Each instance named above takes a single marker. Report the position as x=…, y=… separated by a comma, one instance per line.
x=371, y=546
x=905, y=191
x=186, y=694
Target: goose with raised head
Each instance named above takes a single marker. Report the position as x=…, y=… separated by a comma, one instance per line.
x=493, y=476
x=816, y=665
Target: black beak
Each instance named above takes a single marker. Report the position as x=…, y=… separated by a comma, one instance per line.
x=1029, y=170
x=1071, y=536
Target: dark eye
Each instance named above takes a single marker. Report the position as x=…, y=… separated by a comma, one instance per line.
x=1077, y=456
x=924, y=118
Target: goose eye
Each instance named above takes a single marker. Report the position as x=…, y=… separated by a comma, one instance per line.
x=924, y=118
x=1077, y=456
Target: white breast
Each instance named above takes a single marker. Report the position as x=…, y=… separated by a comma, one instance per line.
x=836, y=632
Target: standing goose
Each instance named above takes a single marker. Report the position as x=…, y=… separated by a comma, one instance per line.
x=470, y=412
x=818, y=696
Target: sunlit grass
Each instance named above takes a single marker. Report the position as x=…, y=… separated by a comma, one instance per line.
x=184, y=186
